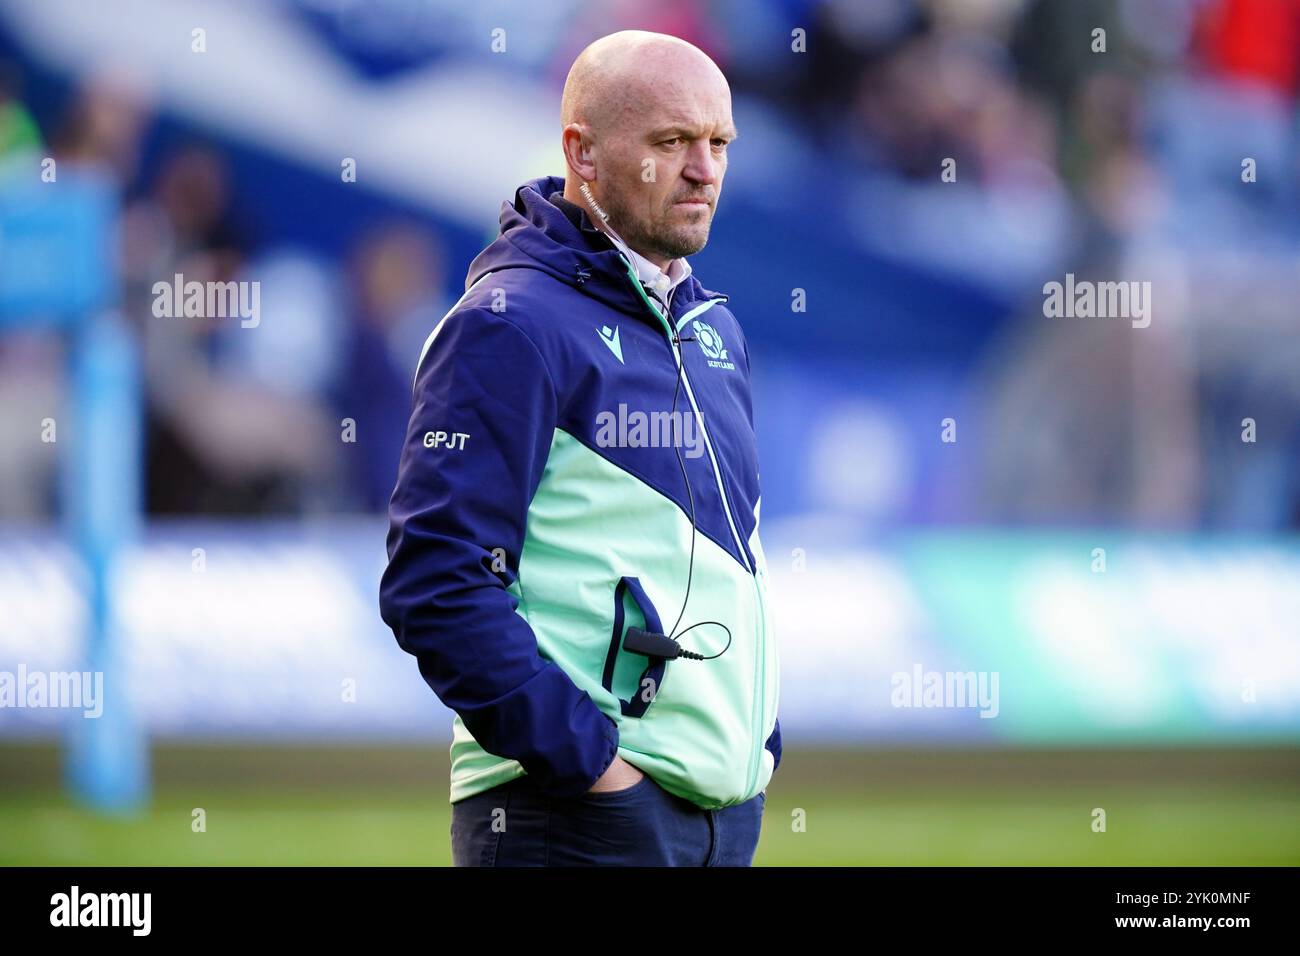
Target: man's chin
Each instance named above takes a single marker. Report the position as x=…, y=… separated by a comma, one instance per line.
x=685, y=246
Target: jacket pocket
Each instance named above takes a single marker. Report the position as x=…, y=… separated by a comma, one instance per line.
x=651, y=680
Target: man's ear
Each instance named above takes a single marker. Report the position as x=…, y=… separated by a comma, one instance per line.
x=579, y=151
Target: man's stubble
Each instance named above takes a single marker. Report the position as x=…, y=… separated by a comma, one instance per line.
x=650, y=234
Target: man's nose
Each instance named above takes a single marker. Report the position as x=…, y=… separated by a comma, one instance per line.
x=701, y=165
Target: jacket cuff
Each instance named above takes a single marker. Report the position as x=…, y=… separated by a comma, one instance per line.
x=594, y=759
x=774, y=746
x=607, y=756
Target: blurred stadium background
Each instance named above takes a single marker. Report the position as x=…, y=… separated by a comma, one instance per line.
x=236, y=614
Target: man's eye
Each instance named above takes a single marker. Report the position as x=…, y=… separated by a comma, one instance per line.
x=720, y=142
x=672, y=142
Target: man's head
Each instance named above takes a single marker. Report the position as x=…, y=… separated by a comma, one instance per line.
x=647, y=120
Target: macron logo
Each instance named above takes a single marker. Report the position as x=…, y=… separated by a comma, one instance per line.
x=611, y=339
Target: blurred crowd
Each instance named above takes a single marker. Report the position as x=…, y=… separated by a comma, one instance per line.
x=306, y=415
x=1119, y=163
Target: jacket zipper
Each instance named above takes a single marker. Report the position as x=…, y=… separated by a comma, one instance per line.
x=761, y=672
x=713, y=460
x=690, y=397
x=759, y=665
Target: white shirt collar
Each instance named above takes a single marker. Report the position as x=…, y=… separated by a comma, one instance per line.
x=655, y=278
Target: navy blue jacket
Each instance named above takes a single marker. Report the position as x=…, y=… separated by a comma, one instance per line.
x=527, y=532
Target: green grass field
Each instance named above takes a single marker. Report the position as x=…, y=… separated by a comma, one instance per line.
x=354, y=806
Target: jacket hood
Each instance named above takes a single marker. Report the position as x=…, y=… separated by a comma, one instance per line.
x=538, y=234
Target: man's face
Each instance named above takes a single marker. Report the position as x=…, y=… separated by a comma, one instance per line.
x=661, y=166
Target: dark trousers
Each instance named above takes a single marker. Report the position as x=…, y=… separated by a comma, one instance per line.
x=642, y=825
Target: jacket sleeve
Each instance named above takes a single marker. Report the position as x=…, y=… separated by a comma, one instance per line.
x=774, y=745
x=481, y=425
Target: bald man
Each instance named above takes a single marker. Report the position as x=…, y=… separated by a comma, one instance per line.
x=574, y=557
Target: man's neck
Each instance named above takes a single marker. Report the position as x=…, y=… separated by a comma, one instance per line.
x=658, y=261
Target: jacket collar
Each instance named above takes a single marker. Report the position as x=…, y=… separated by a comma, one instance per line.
x=654, y=279
x=543, y=231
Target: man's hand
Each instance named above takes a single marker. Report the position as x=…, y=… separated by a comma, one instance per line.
x=619, y=776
